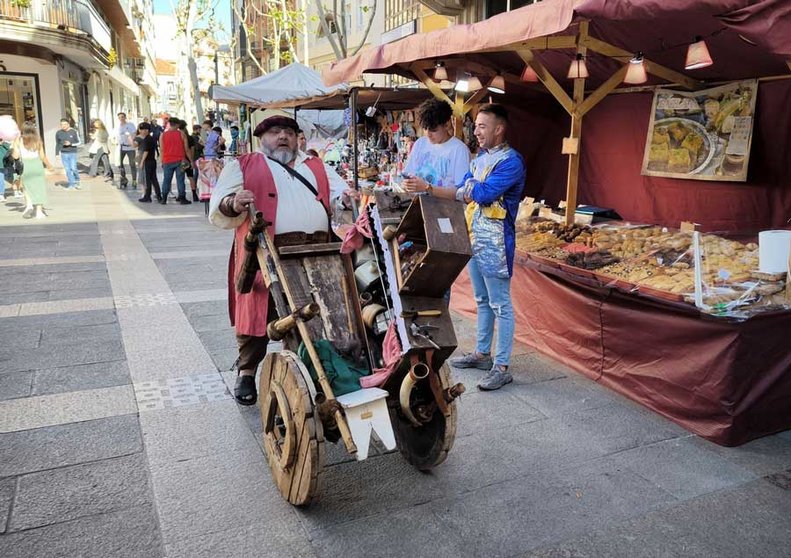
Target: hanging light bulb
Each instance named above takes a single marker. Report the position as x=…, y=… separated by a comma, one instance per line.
x=578, y=68
x=636, y=71
x=698, y=55
x=497, y=85
x=529, y=74
x=463, y=84
x=475, y=83
x=440, y=73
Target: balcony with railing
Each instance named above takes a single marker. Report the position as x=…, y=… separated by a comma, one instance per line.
x=70, y=16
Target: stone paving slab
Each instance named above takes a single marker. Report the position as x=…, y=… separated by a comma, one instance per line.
x=184, y=433
x=64, y=408
x=681, y=468
x=131, y=533
x=15, y=384
x=7, y=487
x=68, y=444
x=510, y=518
x=195, y=497
x=52, y=356
x=751, y=520
x=81, y=490
x=763, y=456
x=60, y=319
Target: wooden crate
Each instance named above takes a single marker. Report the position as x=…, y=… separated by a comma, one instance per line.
x=439, y=227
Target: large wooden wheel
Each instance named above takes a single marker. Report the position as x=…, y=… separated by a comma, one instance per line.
x=428, y=445
x=293, y=434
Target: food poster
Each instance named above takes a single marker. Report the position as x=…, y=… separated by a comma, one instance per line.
x=701, y=135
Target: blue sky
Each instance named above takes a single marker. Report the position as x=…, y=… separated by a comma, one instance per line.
x=222, y=12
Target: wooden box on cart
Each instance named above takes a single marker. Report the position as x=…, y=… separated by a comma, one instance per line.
x=438, y=233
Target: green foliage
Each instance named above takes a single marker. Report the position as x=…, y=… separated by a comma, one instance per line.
x=21, y=3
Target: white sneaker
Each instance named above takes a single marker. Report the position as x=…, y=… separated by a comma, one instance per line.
x=41, y=214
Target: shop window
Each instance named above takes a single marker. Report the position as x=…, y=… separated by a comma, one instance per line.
x=19, y=97
x=73, y=104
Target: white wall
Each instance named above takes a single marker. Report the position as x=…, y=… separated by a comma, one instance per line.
x=50, y=95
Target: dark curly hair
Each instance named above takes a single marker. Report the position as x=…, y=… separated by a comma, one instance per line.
x=434, y=112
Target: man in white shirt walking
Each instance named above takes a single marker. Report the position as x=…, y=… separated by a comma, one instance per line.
x=126, y=135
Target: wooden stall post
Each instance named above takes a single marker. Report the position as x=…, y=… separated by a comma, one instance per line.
x=572, y=179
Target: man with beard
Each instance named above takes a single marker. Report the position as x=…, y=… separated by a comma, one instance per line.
x=295, y=193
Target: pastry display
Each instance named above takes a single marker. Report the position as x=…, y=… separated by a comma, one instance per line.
x=661, y=262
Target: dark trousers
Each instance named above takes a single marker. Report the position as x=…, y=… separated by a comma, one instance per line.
x=150, y=167
x=130, y=155
x=252, y=350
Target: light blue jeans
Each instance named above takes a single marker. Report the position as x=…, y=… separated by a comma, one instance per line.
x=493, y=297
x=69, y=161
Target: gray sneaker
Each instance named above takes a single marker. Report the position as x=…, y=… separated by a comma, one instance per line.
x=497, y=377
x=472, y=360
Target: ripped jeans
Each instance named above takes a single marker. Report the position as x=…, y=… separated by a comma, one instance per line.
x=493, y=297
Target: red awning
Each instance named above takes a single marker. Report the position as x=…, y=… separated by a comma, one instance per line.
x=746, y=38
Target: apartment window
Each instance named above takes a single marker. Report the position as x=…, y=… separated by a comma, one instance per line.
x=494, y=7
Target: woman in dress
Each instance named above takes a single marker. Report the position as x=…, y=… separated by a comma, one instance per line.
x=101, y=150
x=31, y=151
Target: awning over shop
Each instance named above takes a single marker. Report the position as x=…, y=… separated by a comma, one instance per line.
x=746, y=38
x=287, y=87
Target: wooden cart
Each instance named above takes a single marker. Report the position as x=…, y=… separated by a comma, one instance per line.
x=315, y=291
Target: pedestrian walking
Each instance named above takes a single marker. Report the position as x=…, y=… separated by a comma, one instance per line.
x=156, y=131
x=66, y=142
x=126, y=134
x=213, y=142
x=148, y=162
x=100, y=149
x=34, y=161
x=174, y=148
x=190, y=172
x=9, y=134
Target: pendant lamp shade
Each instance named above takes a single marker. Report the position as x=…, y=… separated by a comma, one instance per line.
x=497, y=85
x=440, y=73
x=475, y=83
x=636, y=72
x=698, y=55
x=529, y=74
x=578, y=69
x=463, y=84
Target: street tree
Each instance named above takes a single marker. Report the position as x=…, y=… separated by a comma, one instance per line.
x=189, y=15
x=333, y=24
x=282, y=24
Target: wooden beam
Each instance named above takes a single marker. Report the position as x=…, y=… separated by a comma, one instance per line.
x=476, y=97
x=539, y=43
x=603, y=90
x=572, y=180
x=546, y=78
x=607, y=49
x=432, y=86
x=788, y=63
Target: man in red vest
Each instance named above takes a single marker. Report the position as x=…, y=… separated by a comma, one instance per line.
x=295, y=192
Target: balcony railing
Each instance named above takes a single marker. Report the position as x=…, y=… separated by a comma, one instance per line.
x=63, y=14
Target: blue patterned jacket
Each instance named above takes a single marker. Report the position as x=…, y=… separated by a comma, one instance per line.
x=494, y=183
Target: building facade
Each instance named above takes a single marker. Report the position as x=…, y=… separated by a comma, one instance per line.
x=78, y=59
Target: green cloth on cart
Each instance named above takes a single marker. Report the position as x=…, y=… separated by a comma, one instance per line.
x=344, y=377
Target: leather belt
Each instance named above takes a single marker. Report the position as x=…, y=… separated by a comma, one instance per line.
x=297, y=238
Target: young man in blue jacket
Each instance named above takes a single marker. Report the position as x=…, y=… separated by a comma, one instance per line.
x=492, y=190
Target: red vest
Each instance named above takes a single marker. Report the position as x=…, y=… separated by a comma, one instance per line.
x=248, y=312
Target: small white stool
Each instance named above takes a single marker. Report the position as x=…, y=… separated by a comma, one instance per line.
x=366, y=411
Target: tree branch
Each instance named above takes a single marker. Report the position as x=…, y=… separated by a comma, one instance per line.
x=326, y=29
x=367, y=29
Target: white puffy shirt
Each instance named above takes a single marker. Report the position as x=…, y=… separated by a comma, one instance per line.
x=298, y=210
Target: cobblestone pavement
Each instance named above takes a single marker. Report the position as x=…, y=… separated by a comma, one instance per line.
x=118, y=435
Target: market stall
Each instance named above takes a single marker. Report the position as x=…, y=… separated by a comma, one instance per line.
x=702, y=347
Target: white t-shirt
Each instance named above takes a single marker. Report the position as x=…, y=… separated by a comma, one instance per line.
x=440, y=164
